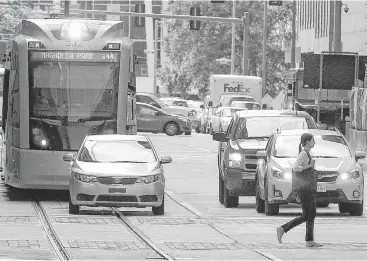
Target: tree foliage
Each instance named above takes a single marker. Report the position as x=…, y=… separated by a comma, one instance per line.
x=190, y=56
x=12, y=13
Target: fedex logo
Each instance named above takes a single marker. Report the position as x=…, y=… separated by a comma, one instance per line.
x=238, y=88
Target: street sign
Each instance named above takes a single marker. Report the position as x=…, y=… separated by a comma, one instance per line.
x=277, y=3
x=223, y=61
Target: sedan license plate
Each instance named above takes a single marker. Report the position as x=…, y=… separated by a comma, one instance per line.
x=321, y=188
x=117, y=190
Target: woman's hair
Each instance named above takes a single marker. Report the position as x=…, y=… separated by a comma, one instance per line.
x=304, y=138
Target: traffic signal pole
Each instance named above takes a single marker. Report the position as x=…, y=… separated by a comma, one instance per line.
x=233, y=37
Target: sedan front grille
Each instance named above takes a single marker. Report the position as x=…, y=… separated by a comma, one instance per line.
x=116, y=180
x=111, y=198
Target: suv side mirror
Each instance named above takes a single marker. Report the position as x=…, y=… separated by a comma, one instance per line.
x=360, y=155
x=220, y=136
x=261, y=154
x=68, y=157
x=210, y=104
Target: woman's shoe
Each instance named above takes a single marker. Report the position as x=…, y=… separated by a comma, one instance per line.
x=280, y=233
x=313, y=244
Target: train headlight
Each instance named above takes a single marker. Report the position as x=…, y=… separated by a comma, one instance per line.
x=39, y=138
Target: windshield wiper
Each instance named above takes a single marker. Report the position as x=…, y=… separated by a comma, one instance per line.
x=127, y=161
x=281, y=157
x=325, y=157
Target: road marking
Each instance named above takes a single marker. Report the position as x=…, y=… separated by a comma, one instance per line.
x=190, y=208
x=268, y=255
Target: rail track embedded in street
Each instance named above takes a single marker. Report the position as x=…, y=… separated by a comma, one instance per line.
x=51, y=235
x=141, y=236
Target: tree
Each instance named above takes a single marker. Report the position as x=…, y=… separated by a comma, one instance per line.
x=194, y=53
x=13, y=13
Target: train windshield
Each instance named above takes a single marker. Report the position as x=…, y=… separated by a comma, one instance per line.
x=68, y=98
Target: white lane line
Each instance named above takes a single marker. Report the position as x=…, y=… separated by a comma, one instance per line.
x=204, y=150
x=189, y=207
x=268, y=255
x=193, y=146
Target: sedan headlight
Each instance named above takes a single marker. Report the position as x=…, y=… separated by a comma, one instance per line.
x=149, y=179
x=234, y=160
x=280, y=174
x=353, y=174
x=85, y=178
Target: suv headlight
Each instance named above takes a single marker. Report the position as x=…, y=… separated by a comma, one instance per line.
x=234, y=160
x=85, y=178
x=353, y=174
x=280, y=174
x=149, y=179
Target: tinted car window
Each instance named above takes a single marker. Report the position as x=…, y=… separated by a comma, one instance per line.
x=263, y=127
x=325, y=146
x=116, y=151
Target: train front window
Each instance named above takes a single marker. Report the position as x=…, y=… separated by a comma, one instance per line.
x=71, y=98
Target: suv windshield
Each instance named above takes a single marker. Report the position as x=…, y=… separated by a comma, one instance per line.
x=263, y=127
x=326, y=146
x=116, y=151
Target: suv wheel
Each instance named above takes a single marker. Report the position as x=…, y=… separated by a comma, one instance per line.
x=270, y=209
x=221, y=187
x=171, y=129
x=229, y=201
x=260, y=203
x=356, y=209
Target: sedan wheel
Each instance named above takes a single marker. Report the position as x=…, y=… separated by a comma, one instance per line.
x=171, y=129
x=159, y=211
x=260, y=203
x=221, y=186
x=270, y=209
x=73, y=209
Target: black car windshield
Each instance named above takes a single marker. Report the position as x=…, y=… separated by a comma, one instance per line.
x=116, y=151
x=264, y=126
x=326, y=146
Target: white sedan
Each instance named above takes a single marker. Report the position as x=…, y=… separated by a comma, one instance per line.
x=116, y=171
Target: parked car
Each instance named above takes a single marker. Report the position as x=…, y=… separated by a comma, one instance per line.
x=173, y=101
x=150, y=99
x=247, y=133
x=340, y=177
x=152, y=119
x=246, y=105
x=222, y=117
x=116, y=171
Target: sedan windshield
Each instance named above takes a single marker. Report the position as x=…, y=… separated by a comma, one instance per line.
x=263, y=127
x=116, y=151
x=326, y=146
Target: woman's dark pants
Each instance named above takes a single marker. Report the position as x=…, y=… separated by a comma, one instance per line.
x=308, y=202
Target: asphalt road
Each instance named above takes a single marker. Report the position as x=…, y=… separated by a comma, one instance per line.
x=195, y=225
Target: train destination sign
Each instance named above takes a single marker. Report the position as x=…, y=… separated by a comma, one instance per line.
x=75, y=56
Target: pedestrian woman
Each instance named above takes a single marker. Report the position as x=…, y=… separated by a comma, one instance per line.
x=304, y=166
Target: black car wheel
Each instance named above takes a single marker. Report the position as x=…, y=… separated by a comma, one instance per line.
x=260, y=203
x=73, y=209
x=221, y=186
x=229, y=201
x=159, y=211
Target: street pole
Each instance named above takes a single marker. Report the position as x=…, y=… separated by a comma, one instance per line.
x=320, y=88
x=67, y=8
x=331, y=27
x=156, y=24
x=265, y=34
x=293, y=55
x=338, y=25
x=233, y=37
x=246, y=34
x=130, y=19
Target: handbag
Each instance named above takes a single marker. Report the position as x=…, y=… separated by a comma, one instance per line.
x=305, y=180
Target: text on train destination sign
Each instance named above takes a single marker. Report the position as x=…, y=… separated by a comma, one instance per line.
x=75, y=56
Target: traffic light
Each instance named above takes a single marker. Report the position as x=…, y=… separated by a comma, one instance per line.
x=140, y=21
x=290, y=90
x=195, y=25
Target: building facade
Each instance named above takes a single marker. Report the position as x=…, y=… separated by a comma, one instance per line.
x=314, y=24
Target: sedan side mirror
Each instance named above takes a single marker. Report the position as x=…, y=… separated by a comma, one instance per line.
x=220, y=136
x=360, y=155
x=261, y=154
x=68, y=157
x=166, y=159
x=201, y=106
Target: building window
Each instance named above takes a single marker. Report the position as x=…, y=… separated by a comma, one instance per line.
x=144, y=70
